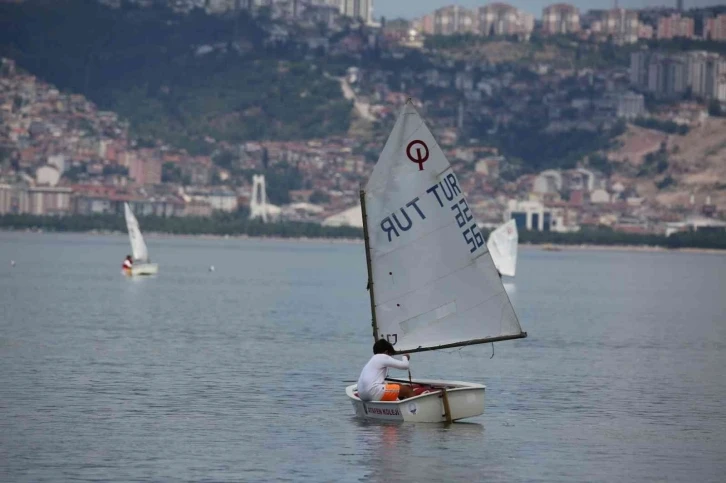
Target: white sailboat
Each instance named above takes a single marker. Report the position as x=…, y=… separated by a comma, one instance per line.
x=502, y=244
x=431, y=279
x=142, y=264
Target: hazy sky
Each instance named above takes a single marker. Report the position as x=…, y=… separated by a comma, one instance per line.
x=414, y=8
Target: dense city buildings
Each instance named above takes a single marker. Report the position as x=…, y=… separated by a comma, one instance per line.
x=671, y=75
x=64, y=155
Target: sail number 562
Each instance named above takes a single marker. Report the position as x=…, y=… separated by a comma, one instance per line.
x=463, y=216
x=473, y=237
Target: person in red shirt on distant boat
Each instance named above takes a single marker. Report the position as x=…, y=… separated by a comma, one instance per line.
x=128, y=263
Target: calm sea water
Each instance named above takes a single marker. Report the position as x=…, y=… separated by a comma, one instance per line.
x=239, y=374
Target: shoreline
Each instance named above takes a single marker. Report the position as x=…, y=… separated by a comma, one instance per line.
x=343, y=240
x=553, y=247
x=206, y=236
x=247, y=237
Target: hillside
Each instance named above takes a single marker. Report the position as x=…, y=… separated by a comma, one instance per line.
x=560, y=52
x=178, y=78
x=669, y=168
x=698, y=164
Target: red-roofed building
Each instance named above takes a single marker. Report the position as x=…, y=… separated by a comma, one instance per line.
x=145, y=170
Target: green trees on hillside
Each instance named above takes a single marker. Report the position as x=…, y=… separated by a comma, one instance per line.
x=535, y=148
x=179, y=78
x=669, y=127
x=606, y=236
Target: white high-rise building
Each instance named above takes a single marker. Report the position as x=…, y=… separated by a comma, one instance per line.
x=560, y=18
x=623, y=25
x=667, y=75
x=639, y=68
x=453, y=19
x=707, y=74
x=358, y=9
x=503, y=19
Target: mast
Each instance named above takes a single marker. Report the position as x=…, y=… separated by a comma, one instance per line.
x=368, y=264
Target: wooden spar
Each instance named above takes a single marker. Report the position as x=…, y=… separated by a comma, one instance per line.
x=368, y=263
x=447, y=409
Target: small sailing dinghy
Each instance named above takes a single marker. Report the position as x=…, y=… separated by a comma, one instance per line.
x=502, y=244
x=142, y=264
x=432, y=282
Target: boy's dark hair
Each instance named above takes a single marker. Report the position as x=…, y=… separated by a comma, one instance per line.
x=382, y=346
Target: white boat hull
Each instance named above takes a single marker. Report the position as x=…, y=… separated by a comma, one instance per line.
x=143, y=269
x=466, y=400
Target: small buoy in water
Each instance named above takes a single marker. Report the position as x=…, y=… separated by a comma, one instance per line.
x=211, y=268
x=12, y=263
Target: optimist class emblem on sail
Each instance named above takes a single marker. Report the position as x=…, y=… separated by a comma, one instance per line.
x=419, y=157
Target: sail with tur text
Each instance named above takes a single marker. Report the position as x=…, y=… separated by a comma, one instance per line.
x=434, y=282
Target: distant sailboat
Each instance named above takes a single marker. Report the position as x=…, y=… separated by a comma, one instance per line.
x=142, y=264
x=502, y=244
x=432, y=283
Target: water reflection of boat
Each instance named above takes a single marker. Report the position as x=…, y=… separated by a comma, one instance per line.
x=388, y=448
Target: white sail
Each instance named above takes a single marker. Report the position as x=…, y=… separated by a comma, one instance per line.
x=502, y=244
x=434, y=282
x=138, y=247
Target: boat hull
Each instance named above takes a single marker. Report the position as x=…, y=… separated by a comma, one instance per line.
x=466, y=400
x=142, y=269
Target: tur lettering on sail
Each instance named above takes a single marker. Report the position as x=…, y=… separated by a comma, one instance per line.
x=434, y=280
